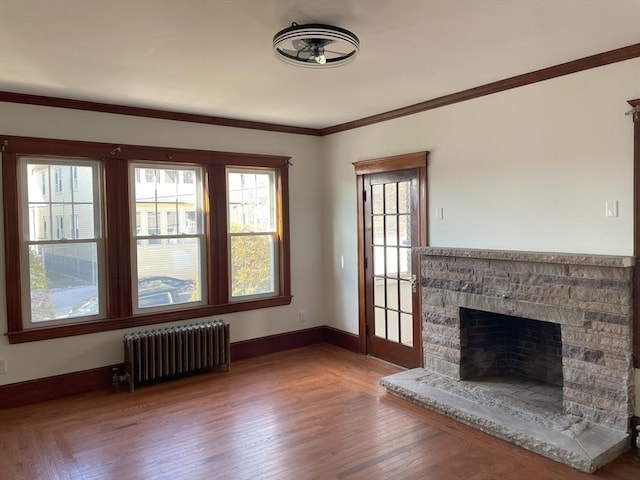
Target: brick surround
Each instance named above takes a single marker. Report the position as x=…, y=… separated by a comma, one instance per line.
x=588, y=296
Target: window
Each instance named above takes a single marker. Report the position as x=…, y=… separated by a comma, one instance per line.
x=75, y=231
x=60, y=272
x=59, y=227
x=74, y=178
x=149, y=175
x=203, y=234
x=177, y=264
x=253, y=236
x=58, y=179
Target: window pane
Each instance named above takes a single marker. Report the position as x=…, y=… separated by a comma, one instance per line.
x=378, y=261
x=166, y=206
x=393, y=326
x=379, y=297
x=169, y=273
x=252, y=265
x=68, y=214
x=392, y=261
x=406, y=325
x=380, y=323
x=378, y=229
x=404, y=197
x=251, y=201
x=404, y=229
x=63, y=281
x=392, y=230
x=390, y=198
x=392, y=293
x=377, y=199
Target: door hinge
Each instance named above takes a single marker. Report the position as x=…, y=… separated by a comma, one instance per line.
x=366, y=263
x=364, y=196
x=366, y=330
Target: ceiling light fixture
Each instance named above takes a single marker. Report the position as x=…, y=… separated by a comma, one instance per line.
x=315, y=45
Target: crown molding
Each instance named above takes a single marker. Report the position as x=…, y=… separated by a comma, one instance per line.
x=605, y=58
x=586, y=63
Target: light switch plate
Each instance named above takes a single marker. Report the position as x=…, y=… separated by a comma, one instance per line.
x=611, y=208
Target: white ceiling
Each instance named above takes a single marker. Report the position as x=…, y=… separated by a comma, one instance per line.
x=215, y=57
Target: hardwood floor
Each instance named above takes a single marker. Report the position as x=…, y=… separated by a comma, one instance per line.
x=312, y=413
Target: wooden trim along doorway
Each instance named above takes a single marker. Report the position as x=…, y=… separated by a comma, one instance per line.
x=392, y=218
x=635, y=116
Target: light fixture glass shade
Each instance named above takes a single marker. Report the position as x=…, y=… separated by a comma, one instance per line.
x=315, y=45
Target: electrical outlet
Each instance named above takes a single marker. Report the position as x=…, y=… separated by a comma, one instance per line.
x=302, y=316
x=3, y=366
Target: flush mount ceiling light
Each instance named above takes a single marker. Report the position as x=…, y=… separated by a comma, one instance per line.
x=315, y=45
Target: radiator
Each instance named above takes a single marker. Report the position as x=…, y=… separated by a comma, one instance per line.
x=168, y=352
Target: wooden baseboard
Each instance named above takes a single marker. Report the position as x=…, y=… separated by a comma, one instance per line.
x=58, y=386
x=342, y=339
x=51, y=388
x=275, y=343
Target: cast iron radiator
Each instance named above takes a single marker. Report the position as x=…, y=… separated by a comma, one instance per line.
x=169, y=352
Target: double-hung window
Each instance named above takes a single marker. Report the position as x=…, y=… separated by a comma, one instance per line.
x=253, y=233
x=102, y=238
x=169, y=263
x=61, y=271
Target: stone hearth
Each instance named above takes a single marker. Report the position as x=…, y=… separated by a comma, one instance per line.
x=574, y=409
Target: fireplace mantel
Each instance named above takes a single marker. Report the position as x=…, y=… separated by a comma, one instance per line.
x=538, y=257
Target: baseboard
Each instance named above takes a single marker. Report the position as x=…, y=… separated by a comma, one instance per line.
x=58, y=386
x=276, y=343
x=51, y=388
x=342, y=339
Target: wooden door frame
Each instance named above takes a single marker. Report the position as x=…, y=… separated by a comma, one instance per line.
x=417, y=160
x=635, y=116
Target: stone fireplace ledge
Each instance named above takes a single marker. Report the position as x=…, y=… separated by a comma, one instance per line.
x=586, y=448
x=589, y=297
x=538, y=257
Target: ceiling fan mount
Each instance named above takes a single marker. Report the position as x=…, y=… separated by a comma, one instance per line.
x=315, y=45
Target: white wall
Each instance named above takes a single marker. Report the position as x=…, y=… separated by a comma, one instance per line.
x=526, y=169
x=52, y=357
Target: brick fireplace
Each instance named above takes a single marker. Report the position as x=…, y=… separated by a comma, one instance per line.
x=563, y=321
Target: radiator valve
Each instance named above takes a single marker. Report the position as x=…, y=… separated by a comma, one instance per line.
x=118, y=378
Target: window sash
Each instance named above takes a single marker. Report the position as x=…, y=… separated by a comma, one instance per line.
x=167, y=197
x=27, y=209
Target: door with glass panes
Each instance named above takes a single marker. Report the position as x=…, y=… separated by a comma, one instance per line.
x=391, y=227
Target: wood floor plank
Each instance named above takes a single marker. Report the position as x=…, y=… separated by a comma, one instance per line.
x=312, y=413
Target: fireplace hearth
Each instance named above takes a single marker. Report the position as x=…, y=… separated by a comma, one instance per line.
x=535, y=348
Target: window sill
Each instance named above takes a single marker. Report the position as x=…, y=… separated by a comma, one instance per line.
x=61, y=331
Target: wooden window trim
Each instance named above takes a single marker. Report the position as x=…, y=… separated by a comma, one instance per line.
x=117, y=231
